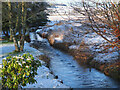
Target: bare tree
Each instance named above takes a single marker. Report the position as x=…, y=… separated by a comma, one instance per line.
x=105, y=15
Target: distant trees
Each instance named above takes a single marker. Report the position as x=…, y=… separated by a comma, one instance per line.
x=19, y=17
x=104, y=18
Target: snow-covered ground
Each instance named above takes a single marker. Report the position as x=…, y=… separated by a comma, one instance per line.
x=75, y=32
x=4, y=49
x=44, y=78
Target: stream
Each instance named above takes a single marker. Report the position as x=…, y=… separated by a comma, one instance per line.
x=72, y=74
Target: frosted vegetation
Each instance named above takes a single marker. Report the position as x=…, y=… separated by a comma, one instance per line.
x=88, y=39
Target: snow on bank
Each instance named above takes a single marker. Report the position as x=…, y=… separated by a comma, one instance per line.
x=96, y=42
x=93, y=38
x=4, y=49
x=76, y=33
x=44, y=78
x=74, y=47
x=107, y=57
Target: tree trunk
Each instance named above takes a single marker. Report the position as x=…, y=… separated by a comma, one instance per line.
x=10, y=23
x=12, y=34
x=22, y=43
x=16, y=43
x=17, y=17
x=6, y=34
x=24, y=13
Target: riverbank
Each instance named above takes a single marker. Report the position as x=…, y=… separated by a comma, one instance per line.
x=84, y=45
x=45, y=79
x=70, y=72
x=85, y=58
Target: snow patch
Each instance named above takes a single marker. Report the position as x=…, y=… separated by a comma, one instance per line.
x=74, y=47
x=106, y=56
x=39, y=38
x=58, y=38
x=32, y=36
x=76, y=24
x=93, y=38
x=38, y=30
x=45, y=80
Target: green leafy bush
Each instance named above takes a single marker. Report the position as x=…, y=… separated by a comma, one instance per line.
x=19, y=70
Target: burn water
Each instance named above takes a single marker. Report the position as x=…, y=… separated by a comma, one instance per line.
x=73, y=74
